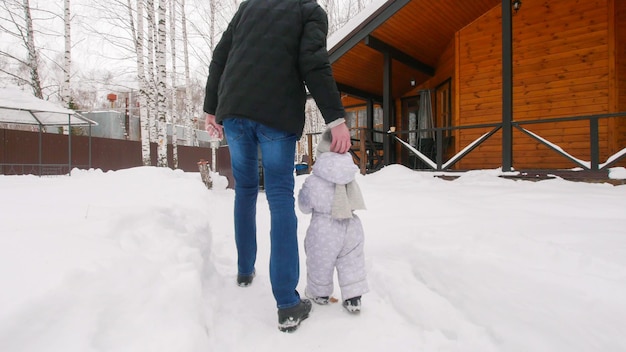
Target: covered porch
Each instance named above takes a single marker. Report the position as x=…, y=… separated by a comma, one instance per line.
x=391, y=54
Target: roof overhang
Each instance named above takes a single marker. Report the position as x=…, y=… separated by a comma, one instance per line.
x=415, y=33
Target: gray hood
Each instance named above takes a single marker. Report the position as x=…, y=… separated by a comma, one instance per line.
x=335, y=168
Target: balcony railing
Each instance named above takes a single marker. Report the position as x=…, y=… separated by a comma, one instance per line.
x=594, y=142
x=369, y=154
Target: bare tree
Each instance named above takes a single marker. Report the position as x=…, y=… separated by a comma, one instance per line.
x=67, y=58
x=340, y=12
x=137, y=33
x=173, y=105
x=152, y=91
x=191, y=131
x=209, y=21
x=84, y=97
x=161, y=88
x=12, y=24
x=33, y=57
x=213, y=11
x=19, y=16
x=111, y=30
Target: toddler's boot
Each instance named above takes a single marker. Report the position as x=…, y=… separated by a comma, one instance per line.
x=353, y=305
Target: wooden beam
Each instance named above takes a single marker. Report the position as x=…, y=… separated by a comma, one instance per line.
x=399, y=55
x=378, y=18
x=358, y=93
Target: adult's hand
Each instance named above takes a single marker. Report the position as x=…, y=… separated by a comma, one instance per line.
x=215, y=129
x=341, y=142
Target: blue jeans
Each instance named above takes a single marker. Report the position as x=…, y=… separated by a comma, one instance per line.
x=277, y=154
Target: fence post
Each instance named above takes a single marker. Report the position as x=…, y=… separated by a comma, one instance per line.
x=203, y=166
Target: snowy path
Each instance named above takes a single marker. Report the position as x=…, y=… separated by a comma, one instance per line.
x=144, y=260
x=465, y=279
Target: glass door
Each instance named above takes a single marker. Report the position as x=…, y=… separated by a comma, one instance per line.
x=410, y=109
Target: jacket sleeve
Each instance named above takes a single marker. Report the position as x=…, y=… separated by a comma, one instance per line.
x=314, y=64
x=218, y=62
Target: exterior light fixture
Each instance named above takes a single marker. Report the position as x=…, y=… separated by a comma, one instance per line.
x=412, y=82
x=516, y=5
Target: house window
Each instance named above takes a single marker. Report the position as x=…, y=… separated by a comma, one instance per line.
x=443, y=108
x=378, y=124
x=352, y=118
x=410, y=107
x=358, y=118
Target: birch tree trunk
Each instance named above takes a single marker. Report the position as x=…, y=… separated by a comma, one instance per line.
x=173, y=105
x=33, y=57
x=161, y=88
x=212, y=20
x=141, y=78
x=67, y=58
x=190, y=128
x=152, y=92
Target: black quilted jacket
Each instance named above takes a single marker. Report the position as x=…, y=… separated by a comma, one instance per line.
x=270, y=49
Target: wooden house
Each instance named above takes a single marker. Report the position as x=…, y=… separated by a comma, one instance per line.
x=531, y=84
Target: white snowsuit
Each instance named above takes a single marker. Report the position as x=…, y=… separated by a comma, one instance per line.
x=332, y=243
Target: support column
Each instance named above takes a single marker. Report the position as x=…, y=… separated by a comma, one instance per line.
x=370, y=118
x=507, y=85
x=387, y=108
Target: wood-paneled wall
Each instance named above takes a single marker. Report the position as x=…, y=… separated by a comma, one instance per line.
x=619, y=125
x=561, y=68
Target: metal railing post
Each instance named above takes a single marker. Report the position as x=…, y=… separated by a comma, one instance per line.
x=362, y=152
x=594, y=142
x=439, y=150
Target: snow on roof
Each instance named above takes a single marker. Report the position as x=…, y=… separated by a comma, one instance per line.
x=17, y=106
x=354, y=23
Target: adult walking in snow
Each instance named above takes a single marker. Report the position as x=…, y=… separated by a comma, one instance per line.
x=256, y=90
x=334, y=239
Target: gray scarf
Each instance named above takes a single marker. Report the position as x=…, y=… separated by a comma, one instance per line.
x=347, y=198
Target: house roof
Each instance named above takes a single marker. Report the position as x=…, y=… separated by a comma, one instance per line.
x=20, y=107
x=415, y=32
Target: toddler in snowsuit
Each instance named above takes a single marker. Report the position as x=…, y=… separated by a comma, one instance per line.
x=335, y=237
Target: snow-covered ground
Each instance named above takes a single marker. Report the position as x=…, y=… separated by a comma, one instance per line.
x=143, y=259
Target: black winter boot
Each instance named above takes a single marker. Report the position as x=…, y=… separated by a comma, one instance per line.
x=245, y=280
x=353, y=305
x=289, y=318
